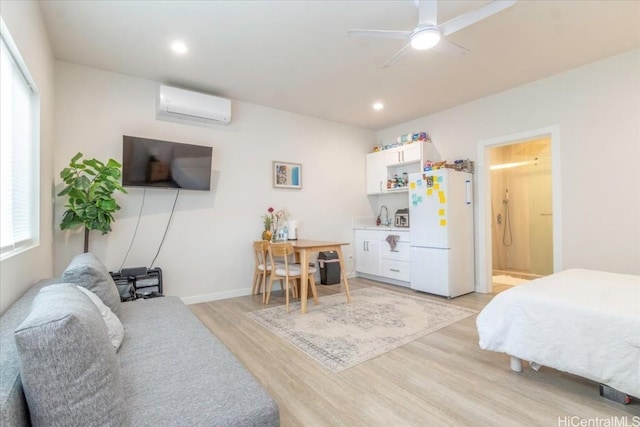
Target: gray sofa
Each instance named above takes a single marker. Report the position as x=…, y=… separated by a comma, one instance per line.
x=173, y=371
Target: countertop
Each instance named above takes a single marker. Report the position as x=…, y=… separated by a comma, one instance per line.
x=381, y=228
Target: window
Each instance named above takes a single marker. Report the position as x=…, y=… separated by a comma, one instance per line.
x=19, y=151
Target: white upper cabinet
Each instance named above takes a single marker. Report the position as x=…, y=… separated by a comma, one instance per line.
x=376, y=173
x=404, y=154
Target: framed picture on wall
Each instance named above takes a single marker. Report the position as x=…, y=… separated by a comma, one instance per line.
x=287, y=175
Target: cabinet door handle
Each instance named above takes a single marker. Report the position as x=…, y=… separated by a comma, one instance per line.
x=399, y=160
x=403, y=156
x=393, y=250
x=395, y=270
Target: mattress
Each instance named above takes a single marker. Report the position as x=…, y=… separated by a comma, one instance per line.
x=583, y=322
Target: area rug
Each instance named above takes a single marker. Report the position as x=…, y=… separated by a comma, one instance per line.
x=341, y=335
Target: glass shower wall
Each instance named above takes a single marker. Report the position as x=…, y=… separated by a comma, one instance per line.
x=521, y=227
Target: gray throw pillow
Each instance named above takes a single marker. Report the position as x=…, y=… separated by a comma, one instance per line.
x=69, y=370
x=88, y=271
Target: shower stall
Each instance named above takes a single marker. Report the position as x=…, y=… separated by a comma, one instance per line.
x=521, y=207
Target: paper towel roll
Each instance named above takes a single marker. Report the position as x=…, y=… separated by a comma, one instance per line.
x=292, y=227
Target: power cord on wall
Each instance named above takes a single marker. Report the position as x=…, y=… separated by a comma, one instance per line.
x=144, y=196
x=167, y=228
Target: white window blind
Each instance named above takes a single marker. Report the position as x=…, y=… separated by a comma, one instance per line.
x=19, y=168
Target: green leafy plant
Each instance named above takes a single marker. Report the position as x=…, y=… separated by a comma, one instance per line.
x=90, y=185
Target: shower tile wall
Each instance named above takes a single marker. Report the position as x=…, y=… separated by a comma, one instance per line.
x=530, y=208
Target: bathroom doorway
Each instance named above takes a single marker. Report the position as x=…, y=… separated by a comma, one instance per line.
x=521, y=211
x=530, y=256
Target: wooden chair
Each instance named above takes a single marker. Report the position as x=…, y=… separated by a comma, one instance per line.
x=262, y=268
x=287, y=272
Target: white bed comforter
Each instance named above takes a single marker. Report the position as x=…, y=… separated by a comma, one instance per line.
x=583, y=322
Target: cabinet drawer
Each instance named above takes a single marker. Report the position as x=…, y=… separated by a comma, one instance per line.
x=401, y=251
x=398, y=270
x=367, y=234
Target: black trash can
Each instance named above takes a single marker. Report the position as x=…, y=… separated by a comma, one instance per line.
x=329, y=267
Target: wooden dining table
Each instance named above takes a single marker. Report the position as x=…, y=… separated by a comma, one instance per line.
x=303, y=249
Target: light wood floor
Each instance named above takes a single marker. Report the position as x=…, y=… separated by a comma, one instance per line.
x=443, y=379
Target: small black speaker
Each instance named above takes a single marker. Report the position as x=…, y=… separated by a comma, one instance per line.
x=133, y=271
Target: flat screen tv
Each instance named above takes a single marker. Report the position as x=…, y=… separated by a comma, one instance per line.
x=165, y=164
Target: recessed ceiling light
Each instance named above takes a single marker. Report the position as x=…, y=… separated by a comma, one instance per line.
x=378, y=106
x=179, y=47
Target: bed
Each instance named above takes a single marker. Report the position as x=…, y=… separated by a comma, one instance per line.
x=583, y=322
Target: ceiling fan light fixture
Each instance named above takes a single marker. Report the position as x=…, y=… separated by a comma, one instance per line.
x=425, y=38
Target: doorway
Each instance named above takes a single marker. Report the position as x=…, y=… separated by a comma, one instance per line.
x=519, y=208
x=521, y=211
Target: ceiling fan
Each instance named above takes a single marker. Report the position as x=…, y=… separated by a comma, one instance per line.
x=431, y=35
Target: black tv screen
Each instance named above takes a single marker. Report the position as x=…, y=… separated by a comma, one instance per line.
x=165, y=164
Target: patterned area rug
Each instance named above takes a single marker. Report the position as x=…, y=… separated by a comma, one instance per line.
x=341, y=335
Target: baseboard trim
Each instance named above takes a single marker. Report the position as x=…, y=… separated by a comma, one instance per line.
x=216, y=296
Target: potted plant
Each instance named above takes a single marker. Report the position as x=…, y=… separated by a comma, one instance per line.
x=90, y=185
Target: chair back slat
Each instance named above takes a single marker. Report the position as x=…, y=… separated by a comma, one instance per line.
x=280, y=250
x=260, y=248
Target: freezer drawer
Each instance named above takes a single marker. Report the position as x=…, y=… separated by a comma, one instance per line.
x=430, y=270
x=399, y=270
x=446, y=272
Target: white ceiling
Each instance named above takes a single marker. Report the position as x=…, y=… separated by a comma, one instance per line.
x=296, y=55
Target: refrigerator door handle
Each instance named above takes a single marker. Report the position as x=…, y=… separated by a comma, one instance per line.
x=468, y=191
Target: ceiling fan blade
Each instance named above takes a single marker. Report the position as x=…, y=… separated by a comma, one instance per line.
x=428, y=12
x=380, y=34
x=474, y=16
x=395, y=57
x=450, y=48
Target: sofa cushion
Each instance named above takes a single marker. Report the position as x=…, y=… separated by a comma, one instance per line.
x=69, y=370
x=88, y=271
x=176, y=372
x=111, y=321
x=13, y=406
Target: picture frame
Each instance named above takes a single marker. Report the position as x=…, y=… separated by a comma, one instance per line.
x=287, y=175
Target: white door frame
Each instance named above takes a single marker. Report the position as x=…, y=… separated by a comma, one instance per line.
x=485, y=261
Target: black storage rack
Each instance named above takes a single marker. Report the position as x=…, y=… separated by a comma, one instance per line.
x=138, y=282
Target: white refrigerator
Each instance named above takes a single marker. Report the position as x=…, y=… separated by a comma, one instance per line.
x=441, y=232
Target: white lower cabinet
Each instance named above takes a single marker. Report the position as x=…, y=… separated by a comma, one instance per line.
x=377, y=259
x=367, y=254
x=393, y=269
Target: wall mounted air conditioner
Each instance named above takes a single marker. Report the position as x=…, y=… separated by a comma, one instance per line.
x=183, y=105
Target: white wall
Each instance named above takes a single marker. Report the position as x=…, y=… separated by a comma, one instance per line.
x=597, y=109
x=26, y=26
x=207, y=251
